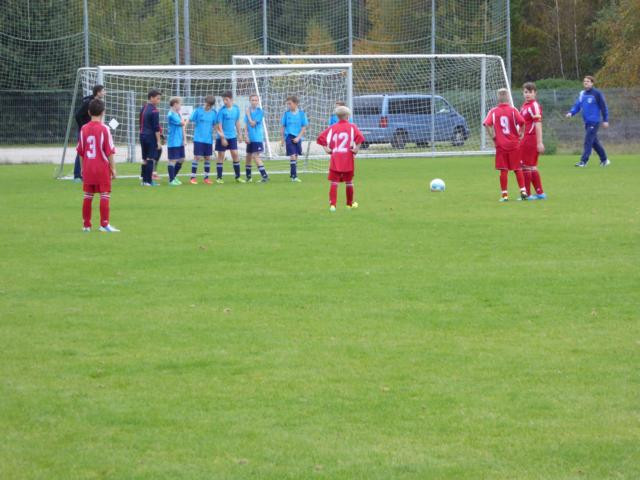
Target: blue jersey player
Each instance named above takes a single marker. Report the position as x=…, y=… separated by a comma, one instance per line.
x=253, y=119
x=175, y=142
x=150, y=137
x=294, y=125
x=229, y=133
x=204, y=120
x=594, y=110
x=333, y=119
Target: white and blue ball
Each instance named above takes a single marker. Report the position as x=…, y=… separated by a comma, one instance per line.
x=437, y=185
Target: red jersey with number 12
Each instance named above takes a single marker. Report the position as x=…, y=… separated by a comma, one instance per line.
x=505, y=121
x=341, y=137
x=94, y=146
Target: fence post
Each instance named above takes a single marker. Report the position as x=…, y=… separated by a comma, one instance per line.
x=131, y=126
x=85, y=19
x=350, y=26
x=265, y=38
x=433, y=76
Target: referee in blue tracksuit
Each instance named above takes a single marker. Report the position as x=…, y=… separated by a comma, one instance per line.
x=591, y=102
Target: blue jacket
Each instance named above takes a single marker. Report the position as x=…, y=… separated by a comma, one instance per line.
x=592, y=104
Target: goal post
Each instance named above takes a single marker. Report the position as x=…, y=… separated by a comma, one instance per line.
x=415, y=104
x=318, y=86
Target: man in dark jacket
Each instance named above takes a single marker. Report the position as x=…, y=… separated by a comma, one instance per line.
x=82, y=118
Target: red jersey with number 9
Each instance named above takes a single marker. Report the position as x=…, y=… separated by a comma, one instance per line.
x=505, y=121
x=94, y=146
x=341, y=137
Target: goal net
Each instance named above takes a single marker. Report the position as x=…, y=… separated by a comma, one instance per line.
x=318, y=87
x=415, y=105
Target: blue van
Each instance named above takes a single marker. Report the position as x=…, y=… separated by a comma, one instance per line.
x=399, y=119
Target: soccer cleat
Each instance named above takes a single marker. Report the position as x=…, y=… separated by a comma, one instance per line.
x=249, y=179
x=109, y=228
x=77, y=180
x=532, y=197
x=264, y=179
x=240, y=180
x=86, y=229
x=504, y=199
x=155, y=176
x=174, y=183
x=220, y=181
x=177, y=180
x=541, y=196
x=523, y=196
x=193, y=181
x=296, y=180
x=352, y=206
x=581, y=164
x=208, y=181
x=155, y=184
x=606, y=163
x=145, y=184
x=332, y=208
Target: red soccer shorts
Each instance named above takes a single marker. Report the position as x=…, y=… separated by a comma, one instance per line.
x=97, y=188
x=508, y=160
x=335, y=176
x=529, y=154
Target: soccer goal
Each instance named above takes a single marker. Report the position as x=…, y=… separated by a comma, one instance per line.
x=415, y=105
x=318, y=87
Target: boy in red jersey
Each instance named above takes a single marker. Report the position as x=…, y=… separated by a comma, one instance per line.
x=95, y=148
x=342, y=140
x=502, y=124
x=532, y=144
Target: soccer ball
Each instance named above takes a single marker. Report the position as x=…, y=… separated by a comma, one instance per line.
x=437, y=185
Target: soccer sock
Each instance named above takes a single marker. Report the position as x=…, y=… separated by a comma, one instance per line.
x=504, y=180
x=333, y=193
x=520, y=179
x=349, y=194
x=527, y=180
x=104, y=209
x=194, y=169
x=219, y=169
x=172, y=171
x=207, y=168
x=236, y=169
x=262, y=171
x=178, y=167
x=294, y=168
x=537, y=182
x=86, y=209
x=248, y=170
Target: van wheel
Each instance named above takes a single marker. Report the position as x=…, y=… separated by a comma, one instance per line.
x=422, y=144
x=457, y=140
x=400, y=139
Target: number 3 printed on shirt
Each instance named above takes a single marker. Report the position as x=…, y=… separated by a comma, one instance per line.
x=91, y=140
x=504, y=123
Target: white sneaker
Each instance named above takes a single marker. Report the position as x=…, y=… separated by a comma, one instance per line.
x=86, y=229
x=109, y=228
x=606, y=163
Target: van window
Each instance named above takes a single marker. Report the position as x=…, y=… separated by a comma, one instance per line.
x=442, y=106
x=410, y=106
x=367, y=106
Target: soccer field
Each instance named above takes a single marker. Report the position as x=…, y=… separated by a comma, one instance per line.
x=243, y=331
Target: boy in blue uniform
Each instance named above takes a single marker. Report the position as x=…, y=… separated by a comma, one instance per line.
x=150, y=136
x=175, y=143
x=333, y=119
x=255, y=137
x=294, y=125
x=593, y=106
x=204, y=118
x=229, y=131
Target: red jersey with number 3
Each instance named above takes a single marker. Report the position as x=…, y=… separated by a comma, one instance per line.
x=505, y=121
x=94, y=146
x=341, y=137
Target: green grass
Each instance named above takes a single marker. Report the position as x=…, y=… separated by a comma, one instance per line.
x=243, y=331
